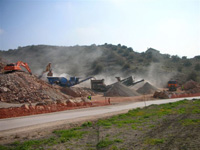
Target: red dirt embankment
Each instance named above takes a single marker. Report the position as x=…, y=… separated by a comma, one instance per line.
x=41, y=108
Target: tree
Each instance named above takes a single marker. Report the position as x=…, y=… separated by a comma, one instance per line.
x=175, y=58
x=184, y=57
x=130, y=49
x=124, y=47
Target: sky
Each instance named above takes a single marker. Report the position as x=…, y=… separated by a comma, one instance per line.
x=170, y=26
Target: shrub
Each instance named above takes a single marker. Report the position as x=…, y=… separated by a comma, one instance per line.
x=197, y=67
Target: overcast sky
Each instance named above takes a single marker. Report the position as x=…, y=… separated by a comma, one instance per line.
x=171, y=26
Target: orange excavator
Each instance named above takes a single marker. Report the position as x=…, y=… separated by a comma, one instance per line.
x=16, y=67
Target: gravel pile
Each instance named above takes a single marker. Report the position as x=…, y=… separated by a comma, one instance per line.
x=118, y=89
x=147, y=88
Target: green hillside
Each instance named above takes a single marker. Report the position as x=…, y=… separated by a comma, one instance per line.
x=107, y=60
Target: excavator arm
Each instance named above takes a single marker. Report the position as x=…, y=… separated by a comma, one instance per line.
x=16, y=67
x=25, y=65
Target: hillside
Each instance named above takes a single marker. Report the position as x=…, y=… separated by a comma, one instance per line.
x=107, y=61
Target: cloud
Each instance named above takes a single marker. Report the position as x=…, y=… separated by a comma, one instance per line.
x=1, y=31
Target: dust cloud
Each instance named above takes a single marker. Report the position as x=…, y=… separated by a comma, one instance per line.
x=156, y=75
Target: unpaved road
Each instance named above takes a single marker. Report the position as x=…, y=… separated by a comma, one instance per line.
x=27, y=121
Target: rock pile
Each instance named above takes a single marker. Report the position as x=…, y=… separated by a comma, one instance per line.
x=20, y=87
x=82, y=91
x=161, y=95
x=190, y=85
x=147, y=88
x=118, y=89
x=77, y=91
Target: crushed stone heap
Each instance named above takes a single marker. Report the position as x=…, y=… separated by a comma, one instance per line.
x=20, y=87
x=147, y=88
x=118, y=89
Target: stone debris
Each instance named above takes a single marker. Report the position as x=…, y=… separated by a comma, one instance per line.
x=118, y=89
x=161, y=94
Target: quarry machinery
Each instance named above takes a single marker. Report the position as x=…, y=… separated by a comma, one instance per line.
x=128, y=81
x=98, y=85
x=64, y=82
x=172, y=85
x=16, y=67
x=49, y=70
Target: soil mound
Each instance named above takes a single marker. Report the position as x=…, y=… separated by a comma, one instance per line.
x=147, y=88
x=20, y=87
x=118, y=89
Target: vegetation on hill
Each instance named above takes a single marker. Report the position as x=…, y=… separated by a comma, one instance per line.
x=166, y=126
x=108, y=60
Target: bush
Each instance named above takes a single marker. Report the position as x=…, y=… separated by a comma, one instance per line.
x=197, y=67
x=187, y=63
